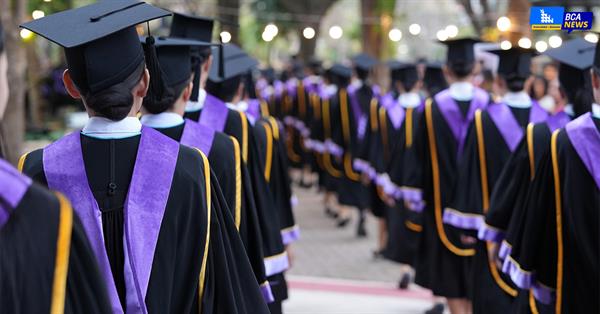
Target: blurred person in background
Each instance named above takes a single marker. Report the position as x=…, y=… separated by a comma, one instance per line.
x=539, y=91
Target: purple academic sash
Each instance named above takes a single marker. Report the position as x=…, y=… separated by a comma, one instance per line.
x=396, y=114
x=357, y=113
x=509, y=127
x=13, y=187
x=214, y=113
x=557, y=120
x=253, y=109
x=198, y=136
x=458, y=124
x=585, y=138
x=144, y=208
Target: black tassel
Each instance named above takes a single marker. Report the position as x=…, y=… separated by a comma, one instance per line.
x=196, y=82
x=157, y=87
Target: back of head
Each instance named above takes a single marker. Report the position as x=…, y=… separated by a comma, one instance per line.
x=225, y=90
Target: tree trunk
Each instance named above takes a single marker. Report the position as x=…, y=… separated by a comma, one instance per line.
x=518, y=12
x=228, y=15
x=371, y=41
x=12, y=12
x=307, y=46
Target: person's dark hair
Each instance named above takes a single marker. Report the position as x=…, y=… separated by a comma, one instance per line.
x=461, y=69
x=115, y=102
x=156, y=105
x=250, y=85
x=362, y=74
x=532, y=87
x=224, y=90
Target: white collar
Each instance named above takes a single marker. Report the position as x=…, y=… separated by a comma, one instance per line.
x=192, y=106
x=331, y=89
x=569, y=110
x=596, y=110
x=104, y=128
x=357, y=83
x=409, y=100
x=241, y=106
x=461, y=91
x=517, y=99
x=162, y=120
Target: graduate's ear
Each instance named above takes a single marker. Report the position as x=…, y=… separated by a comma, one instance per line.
x=70, y=85
x=141, y=89
x=595, y=79
x=187, y=92
x=207, y=64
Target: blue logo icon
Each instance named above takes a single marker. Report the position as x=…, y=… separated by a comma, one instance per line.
x=546, y=18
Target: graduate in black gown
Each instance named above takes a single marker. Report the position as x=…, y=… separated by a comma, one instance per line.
x=400, y=114
x=44, y=253
x=211, y=110
x=504, y=220
x=137, y=191
x=443, y=261
x=351, y=120
x=490, y=142
x=225, y=82
x=163, y=109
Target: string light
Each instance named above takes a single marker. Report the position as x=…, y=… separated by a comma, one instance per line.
x=414, y=29
x=309, y=33
x=525, y=43
x=503, y=23
x=442, y=35
x=555, y=41
x=541, y=46
x=395, y=34
x=225, y=37
x=505, y=45
x=26, y=34
x=451, y=31
x=591, y=37
x=336, y=32
x=38, y=14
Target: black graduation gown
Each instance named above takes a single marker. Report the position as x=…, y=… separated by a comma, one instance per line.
x=238, y=126
x=493, y=291
x=442, y=262
x=404, y=225
x=228, y=287
x=561, y=235
x=30, y=277
x=332, y=171
x=351, y=191
x=294, y=119
x=225, y=162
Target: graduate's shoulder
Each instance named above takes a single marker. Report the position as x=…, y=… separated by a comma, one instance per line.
x=223, y=150
x=32, y=165
x=190, y=167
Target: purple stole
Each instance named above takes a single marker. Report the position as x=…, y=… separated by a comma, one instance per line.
x=357, y=113
x=585, y=138
x=509, y=128
x=143, y=213
x=458, y=124
x=198, y=136
x=13, y=187
x=253, y=109
x=214, y=113
x=557, y=120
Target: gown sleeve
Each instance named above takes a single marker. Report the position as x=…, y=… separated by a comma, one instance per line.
x=413, y=177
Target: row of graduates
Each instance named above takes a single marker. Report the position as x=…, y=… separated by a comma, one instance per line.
x=491, y=199
x=186, y=209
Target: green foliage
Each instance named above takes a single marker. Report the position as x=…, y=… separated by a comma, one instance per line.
x=49, y=7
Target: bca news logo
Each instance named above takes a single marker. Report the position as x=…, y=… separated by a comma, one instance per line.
x=555, y=18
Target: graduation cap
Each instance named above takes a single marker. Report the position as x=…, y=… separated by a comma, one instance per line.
x=364, y=61
x=406, y=73
x=173, y=56
x=231, y=61
x=460, y=50
x=575, y=57
x=101, y=44
x=434, y=78
x=514, y=62
x=341, y=71
x=192, y=27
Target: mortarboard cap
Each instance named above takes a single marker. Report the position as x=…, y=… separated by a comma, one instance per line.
x=174, y=58
x=101, y=44
x=230, y=61
x=341, y=71
x=406, y=73
x=514, y=62
x=577, y=53
x=460, y=50
x=192, y=27
x=364, y=61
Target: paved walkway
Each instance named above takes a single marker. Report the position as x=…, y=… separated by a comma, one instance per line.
x=333, y=272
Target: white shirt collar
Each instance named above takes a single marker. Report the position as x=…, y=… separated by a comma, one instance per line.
x=461, y=91
x=409, y=100
x=357, y=84
x=104, y=128
x=517, y=99
x=192, y=106
x=162, y=120
x=596, y=110
x=241, y=106
x=331, y=89
x=569, y=110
